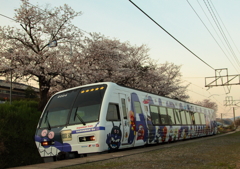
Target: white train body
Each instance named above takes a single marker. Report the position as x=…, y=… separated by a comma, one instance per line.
x=106, y=117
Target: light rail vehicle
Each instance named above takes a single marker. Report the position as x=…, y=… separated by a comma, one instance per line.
x=107, y=117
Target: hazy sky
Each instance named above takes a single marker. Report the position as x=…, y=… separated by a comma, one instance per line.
x=122, y=20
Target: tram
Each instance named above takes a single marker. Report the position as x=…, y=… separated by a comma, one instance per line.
x=106, y=117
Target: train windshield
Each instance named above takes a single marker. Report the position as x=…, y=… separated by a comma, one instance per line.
x=79, y=106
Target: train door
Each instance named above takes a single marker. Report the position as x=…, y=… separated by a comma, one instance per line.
x=124, y=118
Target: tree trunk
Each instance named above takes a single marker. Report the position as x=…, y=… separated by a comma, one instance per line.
x=44, y=86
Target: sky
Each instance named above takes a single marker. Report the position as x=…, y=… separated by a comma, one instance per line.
x=190, y=22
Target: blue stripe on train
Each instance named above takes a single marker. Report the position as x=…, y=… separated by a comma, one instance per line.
x=87, y=130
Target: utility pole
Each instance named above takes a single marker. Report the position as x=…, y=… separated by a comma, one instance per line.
x=11, y=85
x=221, y=117
x=10, y=50
x=233, y=103
x=234, y=116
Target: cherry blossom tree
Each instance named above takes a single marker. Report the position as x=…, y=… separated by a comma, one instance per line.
x=30, y=56
x=78, y=59
x=171, y=84
x=105, y=59
x=209, y=104
x=163, y=79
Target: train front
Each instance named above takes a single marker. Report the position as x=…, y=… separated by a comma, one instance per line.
x=69, y=124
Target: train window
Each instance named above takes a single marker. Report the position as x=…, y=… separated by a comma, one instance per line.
x=85, y=114
x=197, y=118
x=146, y=108
x=86, y=107
x=56, y=118
x=192, y=118
x=203, y=119
x=124, y=108
x=163, y=115
x=177, y=116
x=188, y=116
x=113, y=113
x=137, y=107
x=183, y=117
x=56, y=113
x=154, y=115
x=171, y=116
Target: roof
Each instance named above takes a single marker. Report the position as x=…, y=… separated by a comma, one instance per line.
x=16, y=85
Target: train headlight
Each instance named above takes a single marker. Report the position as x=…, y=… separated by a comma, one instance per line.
x=47, y=143
x=66, y=135
x=44, y=143
x=92, y=138
x=87, y=138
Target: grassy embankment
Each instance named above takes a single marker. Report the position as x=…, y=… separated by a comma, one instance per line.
x=220, y=153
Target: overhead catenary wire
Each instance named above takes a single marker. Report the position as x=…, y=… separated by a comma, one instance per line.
x=218, y=37
x=212, y=13
x=222, y=109
x=224, y=36
x=16, y=20
x=212, y=27
x=177, y=41
x=171, y=35
x=210, y=31
x=43, y=11
x=227, y=113
x=9, y=18
x=225, y=93
x=226, y=29
x=203, y=94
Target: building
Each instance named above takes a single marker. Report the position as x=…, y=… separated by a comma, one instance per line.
x=18, y=90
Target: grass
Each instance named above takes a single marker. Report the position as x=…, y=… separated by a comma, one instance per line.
x=214, y=153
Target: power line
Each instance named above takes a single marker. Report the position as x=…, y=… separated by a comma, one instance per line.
x=210, y=10
x=210, y=33
x=196, y=93
x=45, y=12
x=194, y=77
x=171, y=35
x=16, y=20
x=212, y=26
x=206, y=97
x=218, y=36
x=202, y=94
x=8, y=18
x=225, y=29
x=35, y=6
x=224, y=36
x=209, y=30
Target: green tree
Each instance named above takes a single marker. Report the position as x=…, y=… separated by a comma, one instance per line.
x=30, y=93
x=237, y=122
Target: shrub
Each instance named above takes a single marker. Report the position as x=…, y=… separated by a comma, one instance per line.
x=18, y=123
